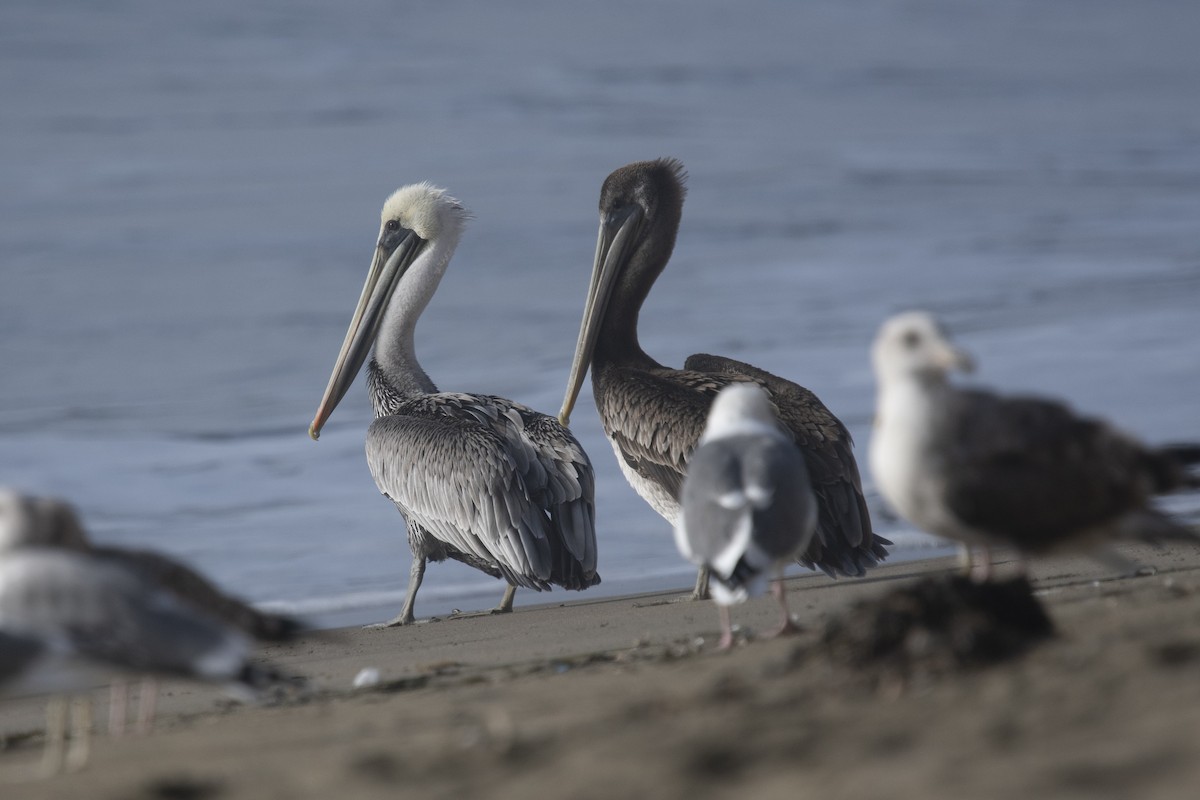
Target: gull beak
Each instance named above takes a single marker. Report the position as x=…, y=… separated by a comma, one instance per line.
x=952, y=358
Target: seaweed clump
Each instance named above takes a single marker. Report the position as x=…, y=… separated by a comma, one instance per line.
x=939, y=624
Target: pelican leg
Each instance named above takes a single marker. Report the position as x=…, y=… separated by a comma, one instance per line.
x=506, y=602
x=700, y=592
x=81, y=733
x=726, y=640
x=416, y=574
x=787, y=624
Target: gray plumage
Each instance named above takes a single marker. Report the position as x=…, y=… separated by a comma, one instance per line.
x=74, y=616
x=202, y=594
x=94, y=622
x=18, y=655
x=100, y=615
x=478, y=479
x=1026, y=472
x=487, y=482
x=734, y=467
x=747, y=503
x=654, y=415
x=27, y=520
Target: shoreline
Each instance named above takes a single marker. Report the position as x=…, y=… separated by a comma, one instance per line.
x=484, y=593
x=615, y=696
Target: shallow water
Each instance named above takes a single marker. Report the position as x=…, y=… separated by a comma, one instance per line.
x=189, y=196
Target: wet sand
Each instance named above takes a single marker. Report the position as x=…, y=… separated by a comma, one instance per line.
x=625, y=697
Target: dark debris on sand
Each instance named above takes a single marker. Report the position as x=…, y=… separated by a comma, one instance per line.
x=182, y=787
x=939, y=624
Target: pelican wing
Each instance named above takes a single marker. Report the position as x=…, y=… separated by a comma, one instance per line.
x=844, y=543
x=467, y=470
x=655, y=418
x=570, y=488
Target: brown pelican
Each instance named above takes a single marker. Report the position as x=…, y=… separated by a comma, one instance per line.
x=478, y=479
x=747, y=506
x=653, y=415
x=1025, y=472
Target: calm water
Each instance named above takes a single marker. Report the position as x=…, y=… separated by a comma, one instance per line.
x=189, y=198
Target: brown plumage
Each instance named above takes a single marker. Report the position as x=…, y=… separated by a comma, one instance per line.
x=654, y=415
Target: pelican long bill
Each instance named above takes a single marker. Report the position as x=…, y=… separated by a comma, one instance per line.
x=614, y=244
x=393, y=255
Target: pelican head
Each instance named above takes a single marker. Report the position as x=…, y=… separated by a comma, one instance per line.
x=28, y=520
x=915, y=344
x=419, y=225
x=640, y=208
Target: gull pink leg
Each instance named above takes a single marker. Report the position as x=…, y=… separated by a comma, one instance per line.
x=787, y=625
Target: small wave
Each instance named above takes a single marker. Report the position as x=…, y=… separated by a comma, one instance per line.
x=908, y=545
x=358, y=601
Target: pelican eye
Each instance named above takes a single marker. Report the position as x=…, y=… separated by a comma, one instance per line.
x=911, y=339
x=391, y=225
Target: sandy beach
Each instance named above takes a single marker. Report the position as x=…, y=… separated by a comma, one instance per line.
x=626, y=697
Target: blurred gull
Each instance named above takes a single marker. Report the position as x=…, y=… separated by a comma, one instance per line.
x=478, y=479
x=984, y=469
x=50, y=522
x=748, y=506
x=27, y=520
x=73, y=622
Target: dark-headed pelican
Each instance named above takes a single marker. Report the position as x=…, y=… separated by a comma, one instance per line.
x=1023, y=472
x=479, y=479
x=653, y=415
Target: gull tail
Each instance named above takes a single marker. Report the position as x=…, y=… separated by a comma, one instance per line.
x=1172, y=467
